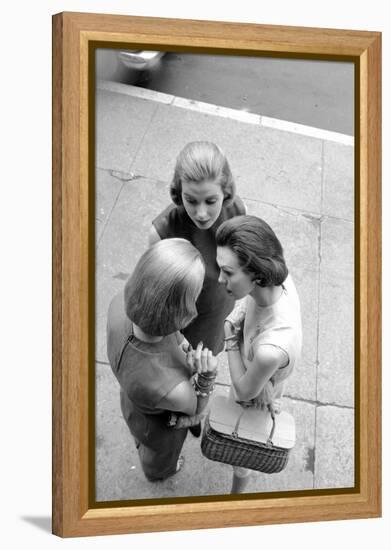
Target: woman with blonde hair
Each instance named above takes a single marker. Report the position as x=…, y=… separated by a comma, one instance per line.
x=164, y=385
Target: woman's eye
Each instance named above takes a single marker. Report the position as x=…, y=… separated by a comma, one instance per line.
x=213, y=201
x=190, y=201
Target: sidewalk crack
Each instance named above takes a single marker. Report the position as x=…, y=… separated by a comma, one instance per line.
x=108, y=217
x=319, y=299
x=317, y=403
x=123, y=176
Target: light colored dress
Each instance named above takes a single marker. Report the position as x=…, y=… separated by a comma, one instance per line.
x=278, y=325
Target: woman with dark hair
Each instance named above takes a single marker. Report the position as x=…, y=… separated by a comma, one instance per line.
x=263, y=333
x=164, y=384
x=204, y=195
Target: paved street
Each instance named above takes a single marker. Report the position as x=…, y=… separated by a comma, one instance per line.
x=302, y=185
x=312, y=92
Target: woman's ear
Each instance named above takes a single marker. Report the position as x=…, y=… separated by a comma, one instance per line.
x=175, y=196
x=228, y=195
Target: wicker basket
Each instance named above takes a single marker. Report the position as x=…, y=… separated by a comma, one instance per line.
x=247, y=437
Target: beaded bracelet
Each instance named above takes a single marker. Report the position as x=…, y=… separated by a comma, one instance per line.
x=232, y=337
x=199, y=389
x=210, y=375
x=203, y=394
x=205, y=381
x=203, y=387
x=233, y=347
x=201, y=384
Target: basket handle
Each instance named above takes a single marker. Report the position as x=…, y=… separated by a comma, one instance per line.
x=269, y=441
x=270, y=438
x=235, y=433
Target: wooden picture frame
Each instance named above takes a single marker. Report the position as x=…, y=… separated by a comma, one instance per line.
x=74, y=34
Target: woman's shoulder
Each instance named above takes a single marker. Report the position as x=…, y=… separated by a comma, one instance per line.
x=119, y=327
x=162, y=221
x=236, y=208
x=116, y=314
x=269, y=356
x=169, y=221
x=292, y=294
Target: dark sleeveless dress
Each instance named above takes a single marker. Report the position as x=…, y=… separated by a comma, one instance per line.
x=213, y=304
x=146, y=373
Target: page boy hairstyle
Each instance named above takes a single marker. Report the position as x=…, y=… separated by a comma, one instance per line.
x=257, y=248
x=200, y=161
x=160, y=295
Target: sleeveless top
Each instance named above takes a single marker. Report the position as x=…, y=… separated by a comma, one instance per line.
x=213, y=304
x=278, y=325
x=146, y=372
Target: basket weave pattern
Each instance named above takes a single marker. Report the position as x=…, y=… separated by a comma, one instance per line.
x=242, y=452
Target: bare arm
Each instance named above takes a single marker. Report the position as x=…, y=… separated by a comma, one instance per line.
x=183, y=398
x=249, y=382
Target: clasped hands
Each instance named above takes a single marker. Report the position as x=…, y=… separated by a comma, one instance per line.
x=203, y=364
x=200, y=360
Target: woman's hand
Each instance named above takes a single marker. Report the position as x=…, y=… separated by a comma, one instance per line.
x=232, y=328
x=204, y=361
x=188, y=421
x=234, y=323
x=266, y=397
x=200, y=360
x=189, y=351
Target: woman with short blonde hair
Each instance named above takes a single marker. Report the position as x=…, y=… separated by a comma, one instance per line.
x=164, y=385
x=161, y=293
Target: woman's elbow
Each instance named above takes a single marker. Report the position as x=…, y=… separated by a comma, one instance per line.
x=244, y=394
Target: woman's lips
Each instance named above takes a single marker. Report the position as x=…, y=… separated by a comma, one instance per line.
x=203, y=224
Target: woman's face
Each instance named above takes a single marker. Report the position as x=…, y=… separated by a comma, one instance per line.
x=203, y=202
x=238, y=283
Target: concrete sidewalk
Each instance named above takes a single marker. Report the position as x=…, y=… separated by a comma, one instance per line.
x=300, y=180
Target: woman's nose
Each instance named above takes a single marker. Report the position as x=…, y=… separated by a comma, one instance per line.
x=221, y=278
x=201, y=213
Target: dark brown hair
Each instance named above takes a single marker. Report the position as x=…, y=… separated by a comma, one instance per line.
x=257, y=248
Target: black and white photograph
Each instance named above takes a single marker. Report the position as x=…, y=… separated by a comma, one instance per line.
x=280, y=110
x=224, y=275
